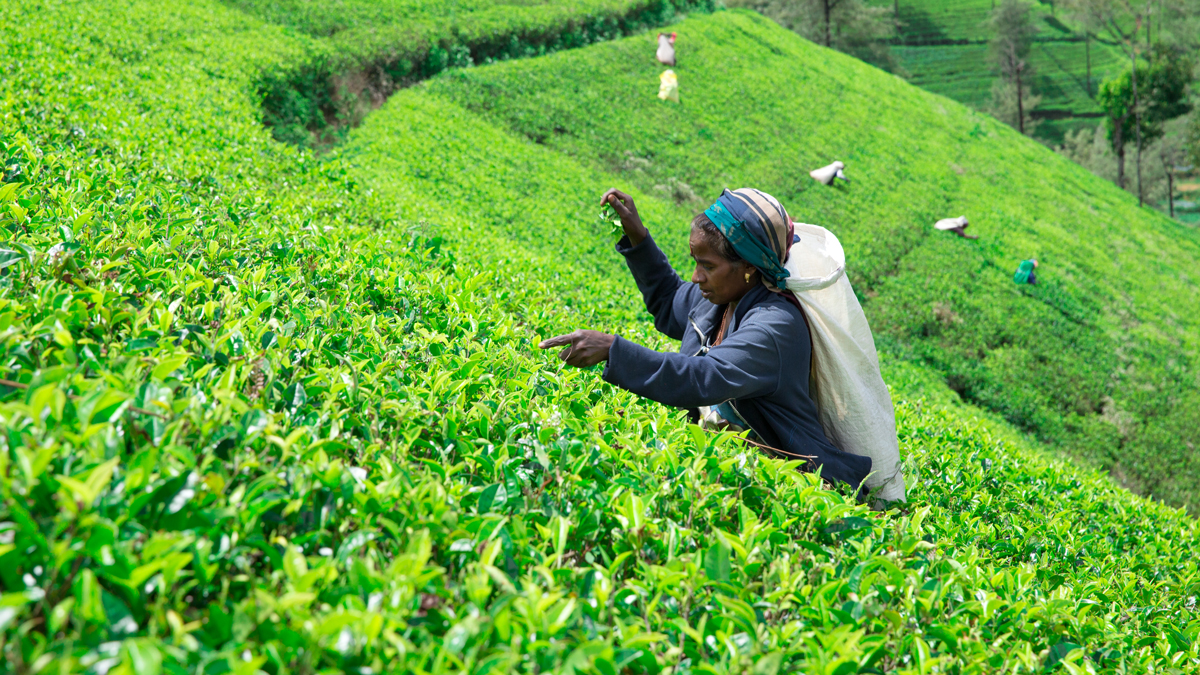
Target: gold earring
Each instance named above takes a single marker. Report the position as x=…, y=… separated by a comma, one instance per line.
x=748, y=276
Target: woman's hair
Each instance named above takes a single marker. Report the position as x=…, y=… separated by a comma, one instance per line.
x=713, y=236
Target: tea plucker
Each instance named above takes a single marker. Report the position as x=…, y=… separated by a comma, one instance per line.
x=746, y=352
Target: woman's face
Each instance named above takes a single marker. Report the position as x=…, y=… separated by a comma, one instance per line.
x=721, y=281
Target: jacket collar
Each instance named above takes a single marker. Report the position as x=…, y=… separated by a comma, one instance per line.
x=705, y=316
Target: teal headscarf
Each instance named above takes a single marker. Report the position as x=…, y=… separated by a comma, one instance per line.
x=758, y=228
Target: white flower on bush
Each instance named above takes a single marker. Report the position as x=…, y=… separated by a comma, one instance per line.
x=56, y=254
x=345, y=641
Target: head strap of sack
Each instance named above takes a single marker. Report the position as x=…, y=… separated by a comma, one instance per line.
x=758, y=228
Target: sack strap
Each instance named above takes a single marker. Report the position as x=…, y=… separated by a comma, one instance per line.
x=812, y=353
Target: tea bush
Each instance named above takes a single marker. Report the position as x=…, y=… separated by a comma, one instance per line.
x=258, y=419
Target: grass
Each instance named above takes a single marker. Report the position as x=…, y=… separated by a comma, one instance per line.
x=259, y=417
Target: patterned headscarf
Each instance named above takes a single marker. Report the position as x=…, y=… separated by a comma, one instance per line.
x=759, y=229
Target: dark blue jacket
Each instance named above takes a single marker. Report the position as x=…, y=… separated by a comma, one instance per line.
x=762, y=365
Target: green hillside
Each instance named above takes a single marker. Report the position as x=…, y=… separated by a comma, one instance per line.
x=943, y=46
x=265, y=411
x=1094, y=360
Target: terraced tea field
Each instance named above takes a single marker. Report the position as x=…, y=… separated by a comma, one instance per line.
x=272, y=411
x=943, y=46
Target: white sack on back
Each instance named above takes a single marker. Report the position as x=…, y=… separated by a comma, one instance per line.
x=852, y=400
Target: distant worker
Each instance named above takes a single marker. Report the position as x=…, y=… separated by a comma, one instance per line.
x=826, y=174
x=956, y=225
x=666, y=49
x=1024, y=273
x=746, y=349
x=668, y=86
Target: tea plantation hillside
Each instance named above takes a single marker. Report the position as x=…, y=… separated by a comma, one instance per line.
x=358, y=52
x=1097, y=359
x=943, y=45
x=256, y=422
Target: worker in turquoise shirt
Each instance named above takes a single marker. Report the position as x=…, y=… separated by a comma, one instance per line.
x=1024, y=273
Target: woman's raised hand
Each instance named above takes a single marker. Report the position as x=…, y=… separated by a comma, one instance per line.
x=584, y=348
x=631, y=222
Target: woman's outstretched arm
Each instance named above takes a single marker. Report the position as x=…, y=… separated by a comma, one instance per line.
x=746, y=365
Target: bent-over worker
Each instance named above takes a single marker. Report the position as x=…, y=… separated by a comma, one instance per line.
x=745, y=349
x=957, y=225
x=1024, y=273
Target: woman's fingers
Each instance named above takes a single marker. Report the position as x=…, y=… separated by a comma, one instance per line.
x=621, y=202
x=583, y=348
x=558, y=340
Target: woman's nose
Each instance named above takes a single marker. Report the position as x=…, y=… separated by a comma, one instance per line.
x=697, y=277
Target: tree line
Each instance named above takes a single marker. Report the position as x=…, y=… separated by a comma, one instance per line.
x=1160, y=41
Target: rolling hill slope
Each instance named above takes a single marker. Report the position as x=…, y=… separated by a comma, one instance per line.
x=260, y=418
x=1097, y=359
x=355, y=53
